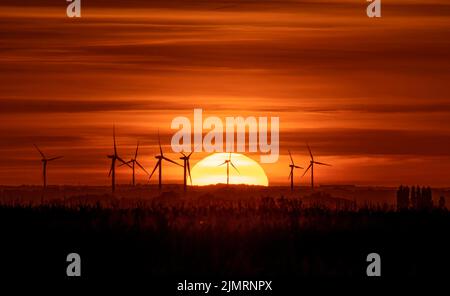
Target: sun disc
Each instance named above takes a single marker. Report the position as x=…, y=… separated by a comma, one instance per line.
x=212, y=170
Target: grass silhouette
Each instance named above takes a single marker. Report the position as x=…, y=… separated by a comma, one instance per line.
x=271, y=236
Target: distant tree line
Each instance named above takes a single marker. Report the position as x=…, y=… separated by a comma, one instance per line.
x=416, y=198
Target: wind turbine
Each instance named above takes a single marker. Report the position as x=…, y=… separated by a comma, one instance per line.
x=187, y=166
x=45, y=161
x=135, y=162
x=228, y=163
x=311, y=166
x=160, y=158
x=292, y=166
x=114, y=157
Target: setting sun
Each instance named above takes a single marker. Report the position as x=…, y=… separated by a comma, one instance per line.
x=213, y=170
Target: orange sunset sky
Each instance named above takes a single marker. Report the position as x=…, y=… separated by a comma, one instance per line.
x=371, y=96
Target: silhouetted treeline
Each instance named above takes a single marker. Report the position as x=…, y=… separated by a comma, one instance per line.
x=416, y=198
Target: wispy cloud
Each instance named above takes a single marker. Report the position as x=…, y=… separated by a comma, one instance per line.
x=349, y=85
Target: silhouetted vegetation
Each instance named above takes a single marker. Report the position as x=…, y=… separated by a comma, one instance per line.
x=269, y=236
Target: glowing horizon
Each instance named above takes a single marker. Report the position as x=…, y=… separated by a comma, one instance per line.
x=211, y=170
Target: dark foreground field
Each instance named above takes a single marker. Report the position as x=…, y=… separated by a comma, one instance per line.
x=266, y=236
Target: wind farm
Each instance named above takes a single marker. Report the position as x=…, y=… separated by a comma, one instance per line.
x=116, y=161
x=133, y=163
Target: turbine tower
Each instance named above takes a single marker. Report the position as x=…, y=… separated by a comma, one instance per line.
x=135, y=162
x=160, y=158
x=114, y=157
x=186, y=166
x=292, y=166
x=311, y=166
x=228, y=163
x=45, y=161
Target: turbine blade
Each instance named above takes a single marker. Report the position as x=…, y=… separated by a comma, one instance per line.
x=298, y=167
x=222, y=163
x=111, y=169
x=189, y=170
x=292, y=161
x=229, y=158
x=169, y=160
x=128, y=162
x=136, y=153
x=307, y=170
x=156, y=166
x=310, y=153
x=195, y=148
x=114, y=138
x=39, y=150
x=159, y=142
x=234, y=167
x=137, y=162
x=54, y=158
x=123, y=161
x=290, y=174
x=321, y=163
